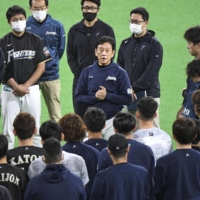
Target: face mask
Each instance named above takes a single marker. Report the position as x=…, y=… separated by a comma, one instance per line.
x=89, y=16
x=19, y=26
x=136, y=28
x=39, y=15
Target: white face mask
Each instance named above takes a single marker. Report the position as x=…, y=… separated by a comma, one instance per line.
x=19, y=26
x=136, y=28
x=39, y=15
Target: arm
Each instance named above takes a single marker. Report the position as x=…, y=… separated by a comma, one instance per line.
x=152, y=70
x=84, y=173
x=2, y=65
x=81, y=94
x=149, y=188
x=159, y=182
x=120, y=58
x=71, y=54
x=62, y=40
x=96, y=193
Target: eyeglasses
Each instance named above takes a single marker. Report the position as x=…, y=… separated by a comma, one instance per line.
x=134, y=21
x=87, y=8
x=38, y=9
x=102, y=50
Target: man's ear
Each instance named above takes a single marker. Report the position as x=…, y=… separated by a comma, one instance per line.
x=43, y=159
x=35, y=131
x=115, y=130
x=42, y=141
x=137, y=115
x=14, y=132
x=155, y=115
x=108, y=151
x=62, y=137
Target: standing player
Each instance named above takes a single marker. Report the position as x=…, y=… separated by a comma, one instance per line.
x=25, y=153
x=122, y=181
x=53, y=34
x=11, y=177
x=192, y=36
x=94, y=120
x=82, y=38
x=141, y=56
x=25, y=62
x=105, y=84
x=177, y=175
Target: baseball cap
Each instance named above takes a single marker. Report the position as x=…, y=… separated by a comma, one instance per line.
x=117, y=142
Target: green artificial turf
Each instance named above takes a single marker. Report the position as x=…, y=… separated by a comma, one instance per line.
x=168, y=18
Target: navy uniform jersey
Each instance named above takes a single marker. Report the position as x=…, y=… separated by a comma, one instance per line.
x=23, y=156
x=139, y=154
x=98, y=144
x=89, y=154
x=22, y=54
x=177, y=175
x=4, y=193
x=14, y=179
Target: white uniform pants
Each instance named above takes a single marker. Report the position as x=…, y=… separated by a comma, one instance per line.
x=13, y=105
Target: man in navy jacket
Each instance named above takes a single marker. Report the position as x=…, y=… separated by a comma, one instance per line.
x=105, y=84
x=53, y=34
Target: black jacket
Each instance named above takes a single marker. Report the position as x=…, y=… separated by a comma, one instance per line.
x=142, y=58
x=81, y=45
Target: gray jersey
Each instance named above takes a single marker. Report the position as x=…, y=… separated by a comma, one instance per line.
x=72, y=162
x=158, y=140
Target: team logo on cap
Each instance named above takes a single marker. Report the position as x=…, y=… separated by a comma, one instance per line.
x=46, y=52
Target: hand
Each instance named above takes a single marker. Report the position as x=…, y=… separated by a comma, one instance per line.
x=134, y=96
x=21, y=90
x=101, y=94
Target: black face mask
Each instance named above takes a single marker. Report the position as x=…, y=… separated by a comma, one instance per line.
x=89, y=16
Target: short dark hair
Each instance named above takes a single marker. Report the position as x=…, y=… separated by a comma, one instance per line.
x=147, y=107
x=15, y=10
x=50, y=129
x=193, y=69
x=24, y=125
x=72, y=127
x=119, y=154
x=95, y=119
x=105, y=39
x=124, y=123
x=46, y=2
x=196, y=101
x=197, y=139
x=52, y=151
x=98, y=2
x=142, y=11
x=184, y=130
x=3, y=146
x=193, y=35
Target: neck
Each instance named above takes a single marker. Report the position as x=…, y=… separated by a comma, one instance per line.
x=119, y=160
x=3, y=160
x=56, y=163
x=146, y=124
x=197, y=57
x=94, y=135
x=17, y=34
x=90, y=24
x=183, y=146
x=129, y=136
x=141, y=34
x=27, y=142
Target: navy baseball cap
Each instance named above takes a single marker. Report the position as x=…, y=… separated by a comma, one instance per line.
x=117, y=142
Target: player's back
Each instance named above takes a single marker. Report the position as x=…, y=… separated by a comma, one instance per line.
x=23, y=156
x=179, y=174
x=97, y=143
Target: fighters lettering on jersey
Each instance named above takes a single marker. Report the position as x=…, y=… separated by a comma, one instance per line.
x=24, y=54
x=50, y=33
x=7, y=177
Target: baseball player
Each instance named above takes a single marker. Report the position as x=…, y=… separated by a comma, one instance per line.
x=25, y=56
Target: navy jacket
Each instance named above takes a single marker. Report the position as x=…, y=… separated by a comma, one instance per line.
x=55, y=182
x=139, y=154
x=123, y=181
x=142, y=58
x=81, y=45
x=53, y=34
x=117, y=85
x=177, y=176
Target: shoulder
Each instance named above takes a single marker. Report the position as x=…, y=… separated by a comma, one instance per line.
x=54, y=21
x=73, y=157
x=76, y=26
x=103, y=24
